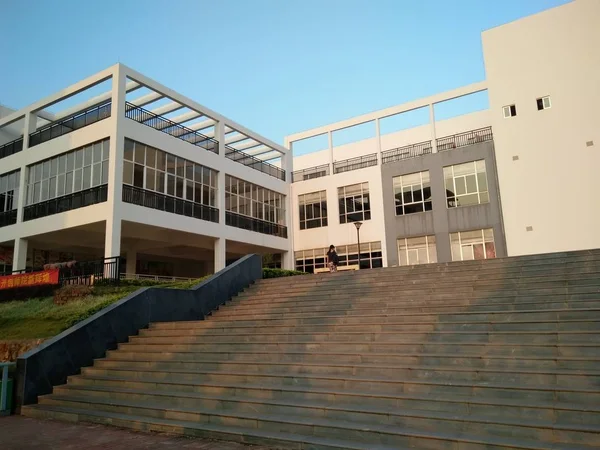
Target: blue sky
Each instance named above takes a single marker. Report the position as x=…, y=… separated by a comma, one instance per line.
x=276, y=66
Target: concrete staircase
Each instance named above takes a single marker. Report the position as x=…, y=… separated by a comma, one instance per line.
x=491, y=354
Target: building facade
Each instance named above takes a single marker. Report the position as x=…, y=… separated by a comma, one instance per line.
x=139, y=172
x=487, y=184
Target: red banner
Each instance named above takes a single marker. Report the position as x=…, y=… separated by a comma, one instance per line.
x=29, y=279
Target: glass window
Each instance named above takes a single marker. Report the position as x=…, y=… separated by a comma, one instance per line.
x=466, y=184
x=412, y=193
x=354, y=203
x=239, y=199
x=9, y=190
x=417, y=250
x=370, y=257
x=468, y=245
x=312, y=210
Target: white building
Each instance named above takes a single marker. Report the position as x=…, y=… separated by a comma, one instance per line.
x=140, y=172
x=517, y=178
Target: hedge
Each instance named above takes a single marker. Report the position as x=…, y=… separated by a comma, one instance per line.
x=277, y=273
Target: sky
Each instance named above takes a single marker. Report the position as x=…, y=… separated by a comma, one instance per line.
x=275, y=66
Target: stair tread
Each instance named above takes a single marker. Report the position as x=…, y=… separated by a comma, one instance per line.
x=525, y=403
x=316, y=420
x=471, y=384
x=495, y=440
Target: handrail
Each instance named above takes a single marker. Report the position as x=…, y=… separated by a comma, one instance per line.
x=360, y=162
x=463, y=139
x=4, y=390
x=171, y=128
x=406, y=152
x=254, y=163
x=310, y=173
x=12, y=147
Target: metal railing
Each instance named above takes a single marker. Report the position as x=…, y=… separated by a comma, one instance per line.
x=4, y=410
x=72, y=123
x=8, y=218
x=464, y=139
x=310, y=173
x=254, y=163
x=171, y=128
x=157, y=278
x=257, y=225
x=161, y=202
x=406, y=152
x=104, y=270
x=359, y=162
x=12, y=147
x=68, y=202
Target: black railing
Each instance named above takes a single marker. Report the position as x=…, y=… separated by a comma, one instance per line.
x=464, y=139
x=8, y=218
x=68, y=202
x=310, y=173
x=359, y=162
x=72, y=123
x=105, y=270
x=161, y=202
x=254, y=163
x=406, y=152
x=171, y=128
x=12, y=147
x=257, y=225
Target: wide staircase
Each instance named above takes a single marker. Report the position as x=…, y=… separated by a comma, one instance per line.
x=495, y=354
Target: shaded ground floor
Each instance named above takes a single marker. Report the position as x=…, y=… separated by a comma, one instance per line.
x=20, y=433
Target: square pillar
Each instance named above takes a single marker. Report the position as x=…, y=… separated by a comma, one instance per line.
x=287, y=260
x=112, y=237
x=432, y=125
x=131, y=266
x=220, y=254
x=20, y=255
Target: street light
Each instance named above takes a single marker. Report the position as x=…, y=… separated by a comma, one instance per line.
x=358, y=225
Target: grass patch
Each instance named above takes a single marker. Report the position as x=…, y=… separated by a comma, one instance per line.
x=41, y=318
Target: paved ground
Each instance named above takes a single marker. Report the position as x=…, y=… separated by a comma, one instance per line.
x=18, y=432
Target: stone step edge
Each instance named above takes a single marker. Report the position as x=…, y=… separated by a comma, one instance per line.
x=435, y=415
x=244, y=433
x=580, y=372
x=472, y=384
x=525, y=403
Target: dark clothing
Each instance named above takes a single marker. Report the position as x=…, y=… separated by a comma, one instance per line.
x=332, y=257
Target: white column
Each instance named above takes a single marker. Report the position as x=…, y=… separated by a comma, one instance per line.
x=330, y=144
x=220, y=254
x=378, y=141
x=112, y=237
x=20, y=254
x=28, y=127
x=131, y=266
x=287, y=163
x=220, y=137
x=432, y=125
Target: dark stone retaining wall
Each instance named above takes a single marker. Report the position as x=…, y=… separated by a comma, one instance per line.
x=65, y=354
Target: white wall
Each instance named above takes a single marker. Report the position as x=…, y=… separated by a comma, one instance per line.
x=554, y=185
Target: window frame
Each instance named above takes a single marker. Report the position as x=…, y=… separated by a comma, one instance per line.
x=397, y=183
x=303, y=209
x=478, y=191
x=542, y=101
x=430, y=248
x=344, y=201
x=254, y=201
x=472, y=245
x=512, y=111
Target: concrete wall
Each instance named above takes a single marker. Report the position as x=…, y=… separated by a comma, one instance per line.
x=548, y=174
x=441, y=220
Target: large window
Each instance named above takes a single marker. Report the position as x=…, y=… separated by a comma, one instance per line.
x=412, y=193
x=152, y=169
x=313, y=210
x=466, y=184
x=251, y=200
x=370, y=256
x=355, y=204
x=468, y=245
x=417, y=250
x=9, y=191
x=71, y=172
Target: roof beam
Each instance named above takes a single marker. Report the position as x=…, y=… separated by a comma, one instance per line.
x=247, y=145
x=268, y=156
x=166, y=109
x=202, y=125
x=146, y=99
x=185, y=117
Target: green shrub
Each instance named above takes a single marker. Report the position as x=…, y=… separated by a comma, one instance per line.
x=277, y=273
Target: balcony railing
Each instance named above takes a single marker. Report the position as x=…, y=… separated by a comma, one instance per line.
x=464, y=139
x=167, y=126
x=10, y=148
x=69, y=202
x=161, y=202
x=8, y=218
x=254, y=163
x=406, y=152
x=359, y=162
x=310, y=173
x=72, y=123
x=252, y=224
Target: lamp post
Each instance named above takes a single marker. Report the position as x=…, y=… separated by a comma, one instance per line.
x=358, y=225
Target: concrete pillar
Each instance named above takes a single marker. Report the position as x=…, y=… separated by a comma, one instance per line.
x=20, y=255
x=330, y=144
x=287, y=261
x=220, y=137
x=131, y=257
x=29, y=127
x=112, y=237
x=378, y=141
x=221, y=197
x=220, y=254
x=432, y=125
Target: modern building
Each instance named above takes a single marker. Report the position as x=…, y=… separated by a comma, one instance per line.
x=177, y=189
x=141, y=172
x=516, y=178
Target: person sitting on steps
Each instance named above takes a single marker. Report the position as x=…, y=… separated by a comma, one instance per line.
x=332, y=259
